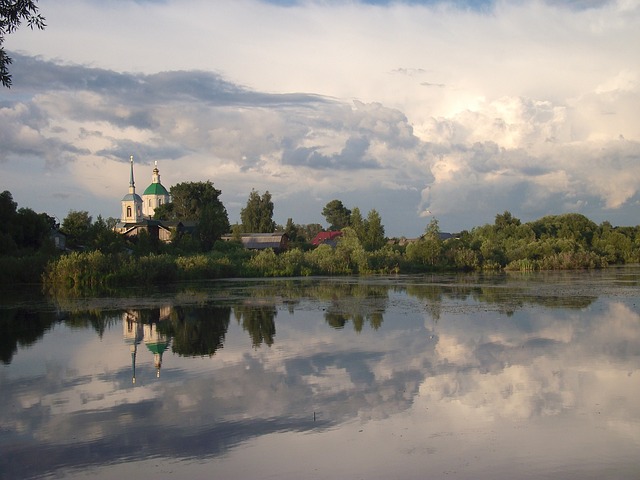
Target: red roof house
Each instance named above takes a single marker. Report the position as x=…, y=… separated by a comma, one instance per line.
x=330, y=238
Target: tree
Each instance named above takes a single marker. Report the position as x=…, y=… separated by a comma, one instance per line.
x=212, y=224
x=103, y=236
x=31, y=229
x=12, y=14
x=506, y=219
x=292, y=230
x=188, y=199
x=7, y=217
x=357, y=223
x=309, y=231
x=427, y=250
x=7, y=209
x=199, y=202
x=374, y=232
x=77, y=227
x=257, y=216
x=336, y=214
x=164, y=212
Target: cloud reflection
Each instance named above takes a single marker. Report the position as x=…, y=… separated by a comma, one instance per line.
x=537, y=359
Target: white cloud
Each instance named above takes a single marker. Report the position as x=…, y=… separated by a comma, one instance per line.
x=529, y=106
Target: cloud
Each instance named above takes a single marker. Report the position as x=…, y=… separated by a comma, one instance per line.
x=483, y=107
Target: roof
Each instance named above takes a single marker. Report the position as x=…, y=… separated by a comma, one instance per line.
x=126, y=227
x=156, y=189
x=260, y=241
x=132, y=196
x=325, y=237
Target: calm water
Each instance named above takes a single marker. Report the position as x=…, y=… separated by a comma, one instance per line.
x=459, y=377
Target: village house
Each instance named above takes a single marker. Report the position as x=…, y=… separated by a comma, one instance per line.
x=277, y=241
x=326, y=238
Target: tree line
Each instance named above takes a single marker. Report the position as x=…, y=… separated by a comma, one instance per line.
x=97, y=256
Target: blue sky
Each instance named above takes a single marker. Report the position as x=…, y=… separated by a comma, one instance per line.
x=453, y=110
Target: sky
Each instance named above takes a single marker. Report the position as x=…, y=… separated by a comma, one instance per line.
x=455, y=110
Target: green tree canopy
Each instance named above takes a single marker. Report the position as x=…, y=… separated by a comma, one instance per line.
x=77, y=227
x=257, y=216
x=31, y=229
x=292, y=230
x=427, y=250
x=336, y=214
x=12, y=14
x=374, y=232
x=199, y=202
x=189, y=198
x=357, y=223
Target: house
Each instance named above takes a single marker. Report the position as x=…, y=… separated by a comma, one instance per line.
x=59, y=239
x=326, y=238
x=278, y=241
x=155, y=229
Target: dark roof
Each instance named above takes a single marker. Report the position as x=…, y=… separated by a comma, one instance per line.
x=132, y=196
x=260, y=241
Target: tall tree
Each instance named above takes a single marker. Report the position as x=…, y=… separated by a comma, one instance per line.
x=291, y=229
x=77, y=227
x=427, y=250
x=309, y=231
x=357, y=223
x=104, y=238
x=336, y=214
x=31, y=229
x=8, y=212
x=200, y=202
x=374, y=231
x=12, y=14
x=257, y=216
x=212, y=224
x=188, y=199
x=8, y=209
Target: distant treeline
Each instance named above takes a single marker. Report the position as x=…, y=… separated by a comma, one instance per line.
x=97, y=258
x=555, y=242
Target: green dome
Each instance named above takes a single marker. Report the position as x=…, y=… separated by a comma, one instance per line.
x=157, y=347
x=156, y=189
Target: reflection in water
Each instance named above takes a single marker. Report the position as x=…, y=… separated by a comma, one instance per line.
x=463, y=379
x=137, y=330
x=258, y=320
x=197, y=330
x=356, y=303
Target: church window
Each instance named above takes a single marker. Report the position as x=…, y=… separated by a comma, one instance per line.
x=128, y=211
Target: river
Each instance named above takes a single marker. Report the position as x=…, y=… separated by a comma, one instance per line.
x=496, y=376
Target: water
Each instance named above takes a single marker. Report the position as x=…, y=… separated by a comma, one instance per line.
x=448, y=376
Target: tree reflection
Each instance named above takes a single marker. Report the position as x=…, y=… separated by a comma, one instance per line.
x=258, y=321
x=197, y=330
x=339, y=320
x=98, y=320
x=200, y=319
x=22, y=327
x=358, y=303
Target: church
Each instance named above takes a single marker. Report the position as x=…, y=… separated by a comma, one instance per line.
x=137, y=211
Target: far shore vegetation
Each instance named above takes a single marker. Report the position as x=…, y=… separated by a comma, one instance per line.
x=96, y=258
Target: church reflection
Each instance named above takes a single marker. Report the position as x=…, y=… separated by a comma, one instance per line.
x=190, y=331
x=142, y=327
x=200, y=330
